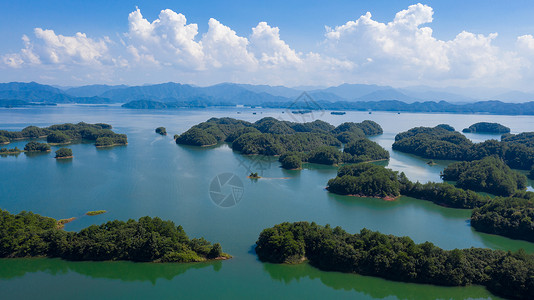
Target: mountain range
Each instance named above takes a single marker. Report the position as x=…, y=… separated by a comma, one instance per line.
x=246, y=94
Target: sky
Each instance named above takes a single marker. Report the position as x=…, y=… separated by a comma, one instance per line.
x=291, y=43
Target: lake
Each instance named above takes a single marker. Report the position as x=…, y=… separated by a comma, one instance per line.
x=154, y=176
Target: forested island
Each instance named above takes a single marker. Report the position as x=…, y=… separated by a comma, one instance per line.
x=161, y=130
x=315, y=142
x=486, y=127
x=512, y=216
x=517, y=151
x=100, y=133
x=397, y=258
x=490, y=175
x=146, y=240
x=64, y=153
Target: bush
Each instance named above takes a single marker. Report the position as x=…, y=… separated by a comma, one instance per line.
x=63, y=152
x=36, y=147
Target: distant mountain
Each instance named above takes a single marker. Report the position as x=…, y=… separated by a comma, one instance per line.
x=92, y=90
x=35, y=92
x=437, y=96
x=325, y=96
x=225, y=92
x=353, y=91
x=281, y=91
x=387, y=94
x=150, y=104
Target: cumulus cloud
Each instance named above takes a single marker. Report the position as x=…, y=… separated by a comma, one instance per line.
x=402, y=51
x=51, y=48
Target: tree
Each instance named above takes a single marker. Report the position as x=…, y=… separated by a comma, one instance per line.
x=161, y=130
x=36, y=147
x=64, y=153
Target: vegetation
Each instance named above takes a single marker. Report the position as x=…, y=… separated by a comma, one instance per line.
x=316, y=142
x=68, y=133
x=161, y=130
x=512, y=217
x=397, y=258
x=5, y=151
x=145, y=240
x=64, y=153
x=489, y=175
x=95, y=212
x=517, y=151
x=36, y=147
x=4, y=140
x=291, y=161
x=485, y=127
x=366, y=180
x=254, y=175
x=369, y=180
x=531, y=173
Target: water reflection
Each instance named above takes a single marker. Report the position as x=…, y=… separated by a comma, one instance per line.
x=372, y=286
x=121, y=270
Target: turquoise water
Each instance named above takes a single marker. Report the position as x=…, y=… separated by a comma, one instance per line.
x=154, y=176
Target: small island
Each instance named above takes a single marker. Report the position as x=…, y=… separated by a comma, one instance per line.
x=338, y=113
x=37, y=147
x=62, y=134
x=145, y=240
x=12, y=151
x=161, y=130
x=486, y=127
x=63, y=153
x=95, y=212
x=254, y=176
x=372, y=253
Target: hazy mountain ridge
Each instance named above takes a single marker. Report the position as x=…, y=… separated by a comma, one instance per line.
x=245, y=94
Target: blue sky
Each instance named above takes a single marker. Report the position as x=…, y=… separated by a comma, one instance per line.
x=299, y=52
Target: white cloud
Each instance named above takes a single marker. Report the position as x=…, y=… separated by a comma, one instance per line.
x=402, y=51
x=56, y=49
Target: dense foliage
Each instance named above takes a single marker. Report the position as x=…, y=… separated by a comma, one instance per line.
x=36, y=147
x=489, y=175
x=10, y=151
x=161, y=130
x=366, y=180
x=146, y=240
x=397, y=258
x=67, y=133
x=63, y=153
x=517, y=151
x=316, y=141
x=486, y=127
x=369, y=180
x=512, y=217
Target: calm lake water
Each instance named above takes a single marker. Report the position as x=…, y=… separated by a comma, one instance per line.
x=154, y=176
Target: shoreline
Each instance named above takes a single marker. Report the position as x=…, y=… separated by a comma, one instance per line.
x=64, y=157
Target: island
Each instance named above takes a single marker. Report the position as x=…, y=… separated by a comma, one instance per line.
x=61, y=134
x=161, y=130
x=95, y=212
x=63, y=153
x=486, y=127
x=145, y=240
x=517, y=151
x=37, y=147
x=511, y=216
x=254, y=175
x=12, y=151
x=372, y=253
x=338, y=113
x=490, y=175
x=314, y=142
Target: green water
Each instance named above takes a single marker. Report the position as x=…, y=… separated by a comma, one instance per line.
x=154, y=176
